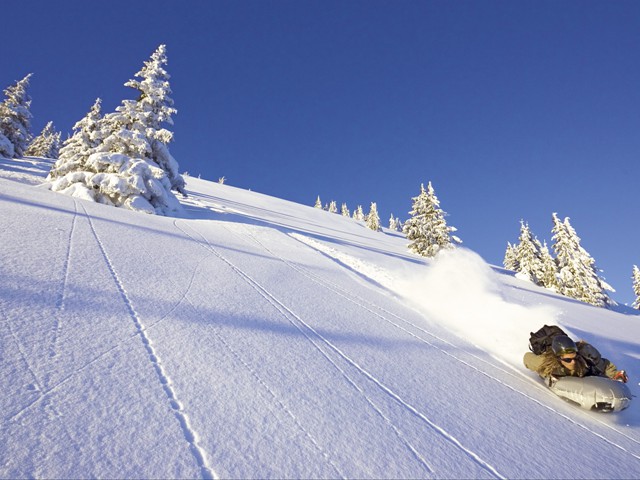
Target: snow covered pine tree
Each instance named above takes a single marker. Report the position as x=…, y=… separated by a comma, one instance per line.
x=373, y=219
x=45, y=145
x=358, y=214
x=427, y=228
x=636, y=286
x=345, y=210
x=15, y=120
x=130, y=165
x=510, y=261
x=531, y=259
x=76, y=149
x=577, y=275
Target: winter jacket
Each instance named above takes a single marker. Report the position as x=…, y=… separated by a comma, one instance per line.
x=588, y=362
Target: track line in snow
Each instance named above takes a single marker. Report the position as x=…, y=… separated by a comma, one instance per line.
x=39, y=386
x=281, y=404
x=61, y=383
x=189, y=434
x=183, y=298
x=62, y=294
x=376, y=309
x=301, y=325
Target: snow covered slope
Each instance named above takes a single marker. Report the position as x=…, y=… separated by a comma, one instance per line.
x=258, y=338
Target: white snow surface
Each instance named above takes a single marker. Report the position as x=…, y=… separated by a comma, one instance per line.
x=252, y=337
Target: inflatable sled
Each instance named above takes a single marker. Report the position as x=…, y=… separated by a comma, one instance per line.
x=592, y=393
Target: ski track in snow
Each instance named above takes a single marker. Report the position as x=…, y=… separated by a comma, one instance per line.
x=304, y=328
x=36, y=380
x=189, y=434
x=375, y=309
x=60, y=301
x=281, y=404
x=181, y=300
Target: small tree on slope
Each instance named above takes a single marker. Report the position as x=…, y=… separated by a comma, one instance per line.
x=549, y=269
x=345, y=210
x=510, y=261
x=373, y=219
x=636, y=286
x=427, y=228
x=529, y=255
x=76, y=149
x=393, y=224
x=15, y=120
x=531, y=259
x=577, y=274
x=45, y=145
x=358, y=214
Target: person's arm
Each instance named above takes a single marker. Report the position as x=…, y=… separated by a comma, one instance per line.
x=532, y=361
x=602, y=365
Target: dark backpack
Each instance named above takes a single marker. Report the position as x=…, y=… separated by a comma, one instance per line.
x=541, y=340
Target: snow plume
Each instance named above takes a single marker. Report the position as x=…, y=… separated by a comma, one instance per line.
x=459, y=289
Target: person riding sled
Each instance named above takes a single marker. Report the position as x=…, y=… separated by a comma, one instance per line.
x=553, y=355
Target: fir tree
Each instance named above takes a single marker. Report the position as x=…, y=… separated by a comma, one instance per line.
x=333, y=208
x=130, y=165
x=318, y=203
x=510, y=261
x=636, y=286
x=395, y=224
x=45, y=145
x=345, y=211
x=76, y=149
x=549, y=269
x=373, y=219
x=15, y=119
x=358, y=214
x=531, y=259
x=577, y=275
x=135, y=128
x=528, y=255
x=6, y=147
x=427, y=228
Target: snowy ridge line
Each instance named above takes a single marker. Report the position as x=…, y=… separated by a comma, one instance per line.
x=60, y=301
x=361, y=302
x=289, y=315
x=189, y=434
x=210, y=249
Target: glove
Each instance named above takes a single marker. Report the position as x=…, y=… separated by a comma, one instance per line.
x=621, y=376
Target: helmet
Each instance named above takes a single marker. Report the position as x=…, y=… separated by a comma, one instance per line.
x=563, y=344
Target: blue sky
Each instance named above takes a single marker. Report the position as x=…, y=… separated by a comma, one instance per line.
x=512, y=109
